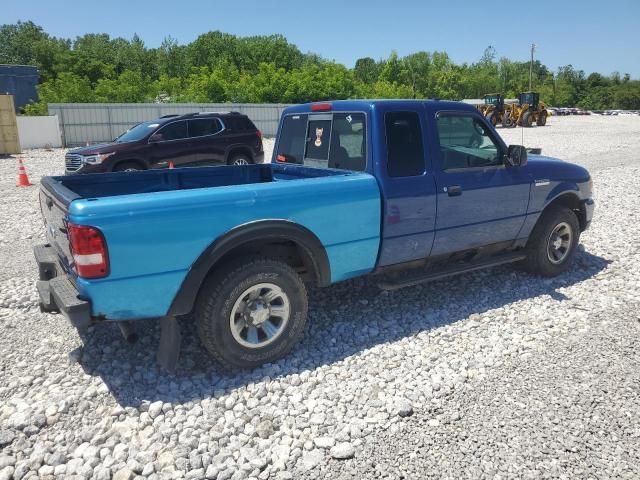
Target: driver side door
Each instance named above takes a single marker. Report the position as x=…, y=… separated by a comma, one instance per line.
x=481, y=201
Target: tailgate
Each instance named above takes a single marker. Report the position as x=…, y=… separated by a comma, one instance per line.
x=54, y=213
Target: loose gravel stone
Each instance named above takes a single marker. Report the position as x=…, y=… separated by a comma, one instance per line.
x=342, y=451
x=495, y=374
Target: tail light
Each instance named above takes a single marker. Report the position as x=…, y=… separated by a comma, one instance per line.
x=259, y=134
x=89, y=250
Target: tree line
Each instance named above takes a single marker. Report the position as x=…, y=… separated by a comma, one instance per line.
x=220, y=67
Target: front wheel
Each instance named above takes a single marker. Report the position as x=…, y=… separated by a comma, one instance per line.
x=251, y=312
x=553, y=242
x=128, y=167
x=542, y=119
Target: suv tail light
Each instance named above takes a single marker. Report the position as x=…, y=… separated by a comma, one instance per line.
x=89, y=250
x=259, y=134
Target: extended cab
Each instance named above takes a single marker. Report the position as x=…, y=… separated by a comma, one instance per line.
x=407, y=190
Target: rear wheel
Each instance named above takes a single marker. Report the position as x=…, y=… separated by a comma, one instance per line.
x=553, y=242
x=251, y=312
x=527, y=121
x=542, y=119
x=128, y=167
x=240, y=159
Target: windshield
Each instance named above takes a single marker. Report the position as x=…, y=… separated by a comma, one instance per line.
x=327, y=140
x=138, y=132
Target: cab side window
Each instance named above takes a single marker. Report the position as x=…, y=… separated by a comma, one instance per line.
x=465, y=142
x=405, y=151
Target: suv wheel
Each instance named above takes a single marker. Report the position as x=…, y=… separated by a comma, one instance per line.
x=251, y=311
x=240, y=159
x=128, y=167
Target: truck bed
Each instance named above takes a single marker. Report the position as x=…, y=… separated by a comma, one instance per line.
x=100, y=185
x=157, y=223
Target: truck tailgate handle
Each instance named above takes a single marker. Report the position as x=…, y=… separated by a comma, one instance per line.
x=454, y=190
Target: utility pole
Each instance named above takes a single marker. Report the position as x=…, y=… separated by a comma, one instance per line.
x=533, y=47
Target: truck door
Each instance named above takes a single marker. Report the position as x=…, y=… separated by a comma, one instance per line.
x=481, y=201
x=407, y=183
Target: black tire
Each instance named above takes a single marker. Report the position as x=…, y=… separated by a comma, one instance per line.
x=541, y=121
x=526, y=119
x=225, y=288
x=507, y=121
x=493, y=118
x=128, y=167
x=538, y=259
x=239, y=159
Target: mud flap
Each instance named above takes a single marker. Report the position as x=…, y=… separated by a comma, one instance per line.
x=169, y=348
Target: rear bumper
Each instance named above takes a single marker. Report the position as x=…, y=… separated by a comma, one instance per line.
x=57, y=291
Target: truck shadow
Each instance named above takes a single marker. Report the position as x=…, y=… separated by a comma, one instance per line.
x=344, y=320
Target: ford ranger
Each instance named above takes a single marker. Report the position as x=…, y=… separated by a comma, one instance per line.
x=409, y=191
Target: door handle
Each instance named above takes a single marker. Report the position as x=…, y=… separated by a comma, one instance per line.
x=454, y=190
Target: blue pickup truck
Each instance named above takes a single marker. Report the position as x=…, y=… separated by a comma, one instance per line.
x=409, y=191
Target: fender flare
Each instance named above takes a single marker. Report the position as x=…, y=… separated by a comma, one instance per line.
x=266, y=230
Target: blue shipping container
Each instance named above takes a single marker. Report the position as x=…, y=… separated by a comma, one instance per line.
x=19, y=81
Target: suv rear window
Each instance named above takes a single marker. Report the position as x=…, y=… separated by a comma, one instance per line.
x=239, y=123
x=327, y=140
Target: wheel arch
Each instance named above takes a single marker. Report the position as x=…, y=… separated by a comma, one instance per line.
x=572, y=201
x=295, y=244
x=238, y=149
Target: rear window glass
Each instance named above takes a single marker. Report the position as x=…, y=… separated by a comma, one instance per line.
x=327, y=140
x=205, y=126
x=239, y=123
x=405, y=152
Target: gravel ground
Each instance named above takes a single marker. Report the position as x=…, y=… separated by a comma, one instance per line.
x=496, y=374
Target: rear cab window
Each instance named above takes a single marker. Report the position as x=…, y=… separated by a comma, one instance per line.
x=324, y=140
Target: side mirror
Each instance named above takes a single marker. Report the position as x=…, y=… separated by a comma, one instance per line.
x=516, y=156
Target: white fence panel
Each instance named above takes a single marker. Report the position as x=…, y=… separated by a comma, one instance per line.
x=39, y=132
x=82, y=123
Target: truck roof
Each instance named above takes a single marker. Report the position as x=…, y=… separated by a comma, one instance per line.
x=370, y=104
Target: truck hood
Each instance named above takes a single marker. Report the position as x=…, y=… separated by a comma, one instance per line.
x=556, y=169
x=103, y=148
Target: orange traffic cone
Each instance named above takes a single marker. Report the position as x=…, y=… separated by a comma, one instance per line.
x=23, y=180
x=171, y=165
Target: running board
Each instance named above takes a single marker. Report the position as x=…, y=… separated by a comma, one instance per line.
x=412, y=280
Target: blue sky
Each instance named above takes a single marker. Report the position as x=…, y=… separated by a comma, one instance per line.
x=591, y=35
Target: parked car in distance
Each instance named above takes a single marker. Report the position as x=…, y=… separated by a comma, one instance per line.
x=410, y=191
x=194, y=139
